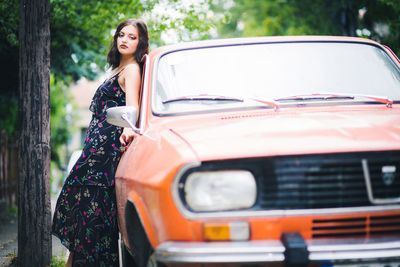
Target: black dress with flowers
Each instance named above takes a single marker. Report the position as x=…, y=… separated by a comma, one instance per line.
x=85, y=217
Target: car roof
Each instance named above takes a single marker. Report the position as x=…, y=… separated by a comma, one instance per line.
x=263, y=39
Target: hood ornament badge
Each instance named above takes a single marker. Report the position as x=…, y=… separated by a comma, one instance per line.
x=388, y=174
x=388, y=177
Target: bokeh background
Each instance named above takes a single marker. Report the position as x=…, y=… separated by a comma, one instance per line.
x=81, y=33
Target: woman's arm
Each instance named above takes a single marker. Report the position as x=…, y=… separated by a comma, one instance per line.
x=131, y=75
x=131, y=81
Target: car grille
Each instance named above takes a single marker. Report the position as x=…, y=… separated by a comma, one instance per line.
x=328, y=181
x=372, y=226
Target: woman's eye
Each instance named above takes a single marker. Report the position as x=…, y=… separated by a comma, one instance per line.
x=120, y=34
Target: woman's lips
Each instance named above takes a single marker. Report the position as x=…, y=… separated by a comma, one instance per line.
x=123, y=46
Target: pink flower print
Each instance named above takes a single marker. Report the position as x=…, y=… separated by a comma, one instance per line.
x=114, y=88
x=100, y=125
x=92, y=150
x=98, y=211
x=105, y=173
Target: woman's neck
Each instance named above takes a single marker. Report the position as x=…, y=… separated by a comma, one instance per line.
x=125, y=61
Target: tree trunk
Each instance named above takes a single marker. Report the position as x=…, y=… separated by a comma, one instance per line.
x=34, y=214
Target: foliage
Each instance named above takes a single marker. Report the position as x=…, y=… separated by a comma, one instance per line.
x=8, y=111
x=81, y=32
x=382, y=19
x=376, y=19
x=57, y=261
x=81, y=36
x=8, y=25
x=11, y=259
x=61, y=106
x=9, y=70
x=13, y=210
x=176, y=21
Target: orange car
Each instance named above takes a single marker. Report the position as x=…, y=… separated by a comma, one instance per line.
x=272, y=150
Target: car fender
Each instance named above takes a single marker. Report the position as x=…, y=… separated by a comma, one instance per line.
x=144, y=218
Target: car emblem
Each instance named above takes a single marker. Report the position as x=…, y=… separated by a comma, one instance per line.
x=388, y=174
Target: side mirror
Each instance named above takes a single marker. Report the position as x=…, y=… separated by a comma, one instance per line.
x=123, y=116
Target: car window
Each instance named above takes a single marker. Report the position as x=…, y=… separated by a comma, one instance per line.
x=271, y=71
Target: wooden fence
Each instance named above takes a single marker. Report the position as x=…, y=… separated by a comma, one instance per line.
x=8, y=169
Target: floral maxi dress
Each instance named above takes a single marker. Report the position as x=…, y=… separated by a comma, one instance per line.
x=85, y=217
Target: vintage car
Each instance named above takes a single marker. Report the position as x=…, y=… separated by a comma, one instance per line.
x=270, y=150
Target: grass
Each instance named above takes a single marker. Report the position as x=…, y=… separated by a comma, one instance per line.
x=57, y=261
x=13, y=210
x=11, y=260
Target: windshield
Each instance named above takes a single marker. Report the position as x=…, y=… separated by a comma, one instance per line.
x=273, y=71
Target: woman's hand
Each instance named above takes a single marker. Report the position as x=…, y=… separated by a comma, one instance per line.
x=127, y=136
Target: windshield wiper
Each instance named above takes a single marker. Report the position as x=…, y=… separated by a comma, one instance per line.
x=336, y=96
x=207, y=97
x=202, y=97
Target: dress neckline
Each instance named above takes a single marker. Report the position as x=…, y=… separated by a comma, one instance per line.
x=115, y=75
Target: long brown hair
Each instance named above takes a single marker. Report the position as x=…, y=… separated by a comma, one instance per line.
x=114, y=57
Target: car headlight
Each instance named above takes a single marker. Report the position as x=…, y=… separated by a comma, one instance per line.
x=220, y=190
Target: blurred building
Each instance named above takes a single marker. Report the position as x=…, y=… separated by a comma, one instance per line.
x=82, y=92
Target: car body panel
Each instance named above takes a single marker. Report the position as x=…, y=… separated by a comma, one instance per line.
x=169, y=145
x=291, y=131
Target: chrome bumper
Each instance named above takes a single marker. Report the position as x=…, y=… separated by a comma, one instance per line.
x=274, y=251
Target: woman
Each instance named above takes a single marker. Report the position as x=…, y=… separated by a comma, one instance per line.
x=85, y=217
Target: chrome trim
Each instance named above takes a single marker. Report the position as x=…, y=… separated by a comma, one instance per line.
x=273, y=251
x=218, y=252
x=371, y=197
x=154, y=81
x=175, y=185
x=145, y=92
x=351, y=249
x=263, y=213
x=274, y=213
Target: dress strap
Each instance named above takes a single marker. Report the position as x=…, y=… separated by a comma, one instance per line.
x=116, y=74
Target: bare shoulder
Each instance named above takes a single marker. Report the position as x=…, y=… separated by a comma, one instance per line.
x=132, y=70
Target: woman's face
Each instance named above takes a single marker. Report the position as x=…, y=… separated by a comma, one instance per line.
x=127, y=40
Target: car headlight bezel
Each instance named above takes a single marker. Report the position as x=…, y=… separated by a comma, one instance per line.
x=242, y=176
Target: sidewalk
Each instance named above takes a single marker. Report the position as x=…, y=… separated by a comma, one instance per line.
x=9, y=241
x=8, y=236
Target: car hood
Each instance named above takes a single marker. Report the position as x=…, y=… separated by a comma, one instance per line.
x=291, y=131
